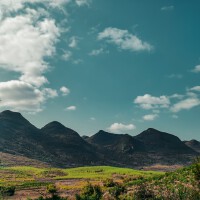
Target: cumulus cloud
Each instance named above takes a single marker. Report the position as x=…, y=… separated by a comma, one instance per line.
x=27, y=38
x=83, y=2
x=150, y=117
x=167, y=8
x=150, y=102
x=73, y=42
x=176, y=96
x=92, y=118
x=96, y=52
x=71, y=108
x=15, y=5
x=64, y=90
x=67, y=55
x=196, y=89
x=196, y=69
x=23, y=96
x=121, y=128
x=185, y=104
x=23, y=46
x=123, y=39
x=176, y=76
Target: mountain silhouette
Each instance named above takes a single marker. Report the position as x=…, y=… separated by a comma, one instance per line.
x=193, y=144
x=59, y=146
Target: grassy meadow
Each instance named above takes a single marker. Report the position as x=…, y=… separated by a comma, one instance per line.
x=101, y=182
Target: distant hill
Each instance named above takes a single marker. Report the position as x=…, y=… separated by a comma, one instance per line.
x=67, y=145
x=193, y=144
x=20, y=137
x=60, y=146
x=119, y=143
x=157, y=141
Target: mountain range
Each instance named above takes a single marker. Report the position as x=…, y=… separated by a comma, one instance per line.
x=59, y=146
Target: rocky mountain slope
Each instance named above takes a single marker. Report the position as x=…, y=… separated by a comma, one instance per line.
x=193, y=144
x=60, y=146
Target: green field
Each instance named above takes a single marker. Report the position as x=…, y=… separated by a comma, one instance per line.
x=29, y=176
x=120, y=183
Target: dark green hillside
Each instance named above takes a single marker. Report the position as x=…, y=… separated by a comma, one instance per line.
x=157, y=141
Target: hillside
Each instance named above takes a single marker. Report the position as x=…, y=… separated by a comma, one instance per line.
x=60, y=146
x=112, y=183
x=193, y=144
x=157, y=141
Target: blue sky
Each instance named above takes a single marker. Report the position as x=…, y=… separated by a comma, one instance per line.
x=120, y=66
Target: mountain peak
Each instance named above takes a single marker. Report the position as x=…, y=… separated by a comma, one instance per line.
x=14, y=117
x=10, y=113
x=55, y=124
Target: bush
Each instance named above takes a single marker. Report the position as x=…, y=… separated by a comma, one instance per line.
x=117, y=190
x=143, y=193
x=90, y=192
x=7, y=190
x=109, y=183
x=196, y=170
x=51, y=189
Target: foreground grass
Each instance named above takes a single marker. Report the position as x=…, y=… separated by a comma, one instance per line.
x=24, y=177
x=110, y=183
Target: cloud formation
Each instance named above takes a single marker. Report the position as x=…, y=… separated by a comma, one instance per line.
x=64, y=90
x=96, y=52
x=121, y=128
x=196, y=69
x=150, y=102
x=28, y=36
x=73, y=42
x=71, y=108
x=83, y=2
x=185, y=104
x=167, y=8
x=124, y=40
x=24, y=43
x=23, y=96
x=196, y=88
x=150, y=117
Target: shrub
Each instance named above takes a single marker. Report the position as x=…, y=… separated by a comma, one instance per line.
x=196, y=170
x=109, y=183
x=117, y=190
x=51, y=189
x=143, y=193
x=7, y=190
x=90, y=192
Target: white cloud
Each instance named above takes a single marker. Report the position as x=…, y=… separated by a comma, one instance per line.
x=196, y=69
x=65, y=91
x=83, y=2
x=73, y=42
x=175, y=116
x=15, y=5
x=50, y=93
x=124, y=40
x=92, y=118
x=67, y=55
x=27, y=38
x=167, y=8
x=177, y=76
x=120, y=128
x=176, y=96
x=23, y=96
x=150, y=117
x=150, y=102
x=185, y=104
x=24, y=43
x=196, y=88
x=71, y=108
x=96, y=52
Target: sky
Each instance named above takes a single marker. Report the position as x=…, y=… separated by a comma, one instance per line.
x=118, y=65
